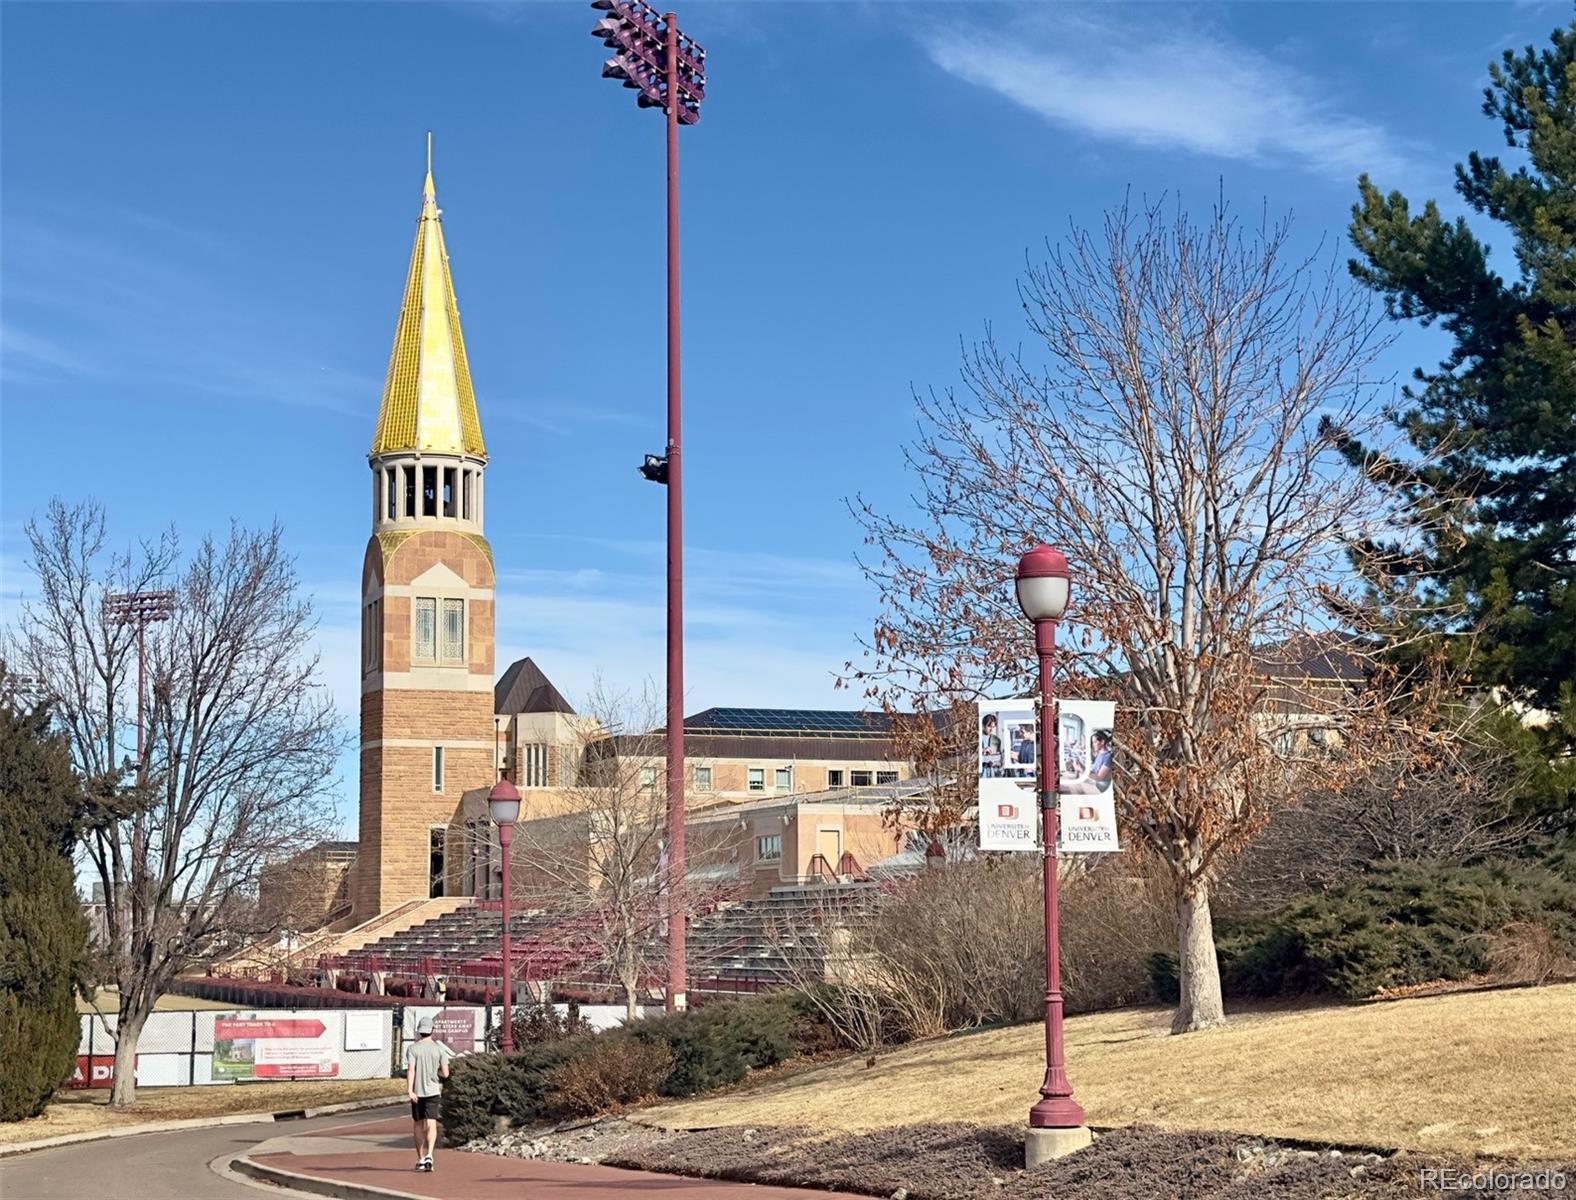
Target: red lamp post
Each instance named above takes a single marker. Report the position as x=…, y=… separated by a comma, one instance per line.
x=504, y=804
x=667, y=70
x=1043, y=589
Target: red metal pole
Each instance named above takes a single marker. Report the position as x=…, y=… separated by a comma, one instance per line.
x=506, y=1041
x=677, y=902
x=141, y=625
x=1057, y=1109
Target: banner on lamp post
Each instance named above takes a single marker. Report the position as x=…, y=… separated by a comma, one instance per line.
x=1009, y=801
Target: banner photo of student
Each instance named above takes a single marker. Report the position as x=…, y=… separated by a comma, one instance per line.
x=1087, y=783
x=1009, y=804
x=1008, y=764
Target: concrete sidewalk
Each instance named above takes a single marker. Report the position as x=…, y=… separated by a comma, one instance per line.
x=372, y=1160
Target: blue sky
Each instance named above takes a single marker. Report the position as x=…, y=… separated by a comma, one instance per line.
x=208, y=208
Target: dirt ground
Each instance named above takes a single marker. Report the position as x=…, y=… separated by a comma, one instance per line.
x=1485, y=1073
x=88, y=1110
x=971, y=1162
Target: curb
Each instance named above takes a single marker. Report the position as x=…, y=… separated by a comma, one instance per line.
x=313, y=1184
x=253, y=1118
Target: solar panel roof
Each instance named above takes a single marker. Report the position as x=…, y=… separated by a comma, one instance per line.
x=805, y=721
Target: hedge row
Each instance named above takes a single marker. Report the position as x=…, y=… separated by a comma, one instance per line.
x=677, y=1055
x=1400, y=924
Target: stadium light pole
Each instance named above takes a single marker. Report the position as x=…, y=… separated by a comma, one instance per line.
x=140, y=609
x=1056, y=1122
x=503, y=802
x=667, y=70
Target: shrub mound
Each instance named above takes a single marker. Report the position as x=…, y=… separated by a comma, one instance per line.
x=581, y=1074
x=1401, y=924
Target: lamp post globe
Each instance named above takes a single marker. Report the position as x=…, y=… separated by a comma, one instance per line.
x=503, y=802
x=1044, y=583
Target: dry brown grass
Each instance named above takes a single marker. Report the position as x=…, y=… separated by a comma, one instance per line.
x=1486, y=1072
x=107, y=1001
x=89, y=1111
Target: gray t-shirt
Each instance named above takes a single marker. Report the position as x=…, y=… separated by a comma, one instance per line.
x=428, y=1056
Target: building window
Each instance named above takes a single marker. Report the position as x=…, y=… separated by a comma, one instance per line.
x=372, y=636
x=834, y=779
x=886, y=776
x=435, y=861
x=465, y=496
x=533, y=765
x=859, y=778
x=410, y=492
x=769, y=848
x=393, y=490
x=437, y=768
x=426, y=647
x=784, y=779
x=449, y=497
x=757, y=779
x=454, y=631
x=648, y=779
x=703, y=779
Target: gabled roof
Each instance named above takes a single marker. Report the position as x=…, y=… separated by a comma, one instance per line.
x=428, y=402
x=524, y=689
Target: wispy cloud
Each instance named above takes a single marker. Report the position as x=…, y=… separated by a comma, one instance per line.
x=1170, y=86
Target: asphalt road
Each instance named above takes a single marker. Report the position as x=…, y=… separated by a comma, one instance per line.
x=150, y=1166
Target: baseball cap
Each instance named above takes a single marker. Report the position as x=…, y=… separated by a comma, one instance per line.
x=424, y=1026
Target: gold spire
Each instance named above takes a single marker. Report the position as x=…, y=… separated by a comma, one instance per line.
x=428, y=403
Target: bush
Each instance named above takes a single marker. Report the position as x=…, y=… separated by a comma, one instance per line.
x=539, y=1024
x=610, y=1071
x=1402, y=924
x=483, y=1085
x=43, y=936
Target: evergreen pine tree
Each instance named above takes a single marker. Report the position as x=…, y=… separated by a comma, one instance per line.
x=1495, y=422
x=43, y=935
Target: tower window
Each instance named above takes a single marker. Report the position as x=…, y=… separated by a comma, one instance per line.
x=410, y=491
x=454, y=631
x=426, y=647
x=429, y=491
x=465, y=495
x=437, y=768
x=449, y=498
x=392, y=487
x=372, y=636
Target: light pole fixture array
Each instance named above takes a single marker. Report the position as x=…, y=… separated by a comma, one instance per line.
x=1044, y=586
x=667, y=71
x=140, y=609
x=503, y=802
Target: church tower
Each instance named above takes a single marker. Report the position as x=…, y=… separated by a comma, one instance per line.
x=427, y=594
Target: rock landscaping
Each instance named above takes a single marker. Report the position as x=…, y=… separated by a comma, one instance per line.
x=968, y=1162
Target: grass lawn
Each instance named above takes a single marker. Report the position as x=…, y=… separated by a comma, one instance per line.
x=88, y=1110
x=1489, y=1072
x=108, y=1002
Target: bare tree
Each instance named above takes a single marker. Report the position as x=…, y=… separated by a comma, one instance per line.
x=240, y=748
x=600, y=862
x=1175, y=447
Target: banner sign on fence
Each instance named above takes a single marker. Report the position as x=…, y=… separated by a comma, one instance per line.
x=457, y=1028
x=1009, y=802
x=257, y=1046
x=93, y=1071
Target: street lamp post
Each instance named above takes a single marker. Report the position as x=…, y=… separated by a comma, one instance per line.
x=667, y=70
x=1056, y=1123
x=504, y=804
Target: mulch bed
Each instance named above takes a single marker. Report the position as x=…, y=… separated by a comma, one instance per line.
x=968, y=1162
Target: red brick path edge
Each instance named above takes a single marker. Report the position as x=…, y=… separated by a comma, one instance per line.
x=387, y=1175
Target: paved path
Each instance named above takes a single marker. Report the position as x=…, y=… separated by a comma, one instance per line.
x=146, y=1166
x=361, y=1148
x=364, y=1153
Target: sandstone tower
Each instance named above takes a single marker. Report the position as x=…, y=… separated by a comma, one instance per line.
x=427, y=595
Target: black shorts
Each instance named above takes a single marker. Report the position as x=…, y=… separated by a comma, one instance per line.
x=426, y=1108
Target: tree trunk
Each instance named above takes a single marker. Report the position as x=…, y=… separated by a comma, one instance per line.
x=128, y=1032
x=1198, y=971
